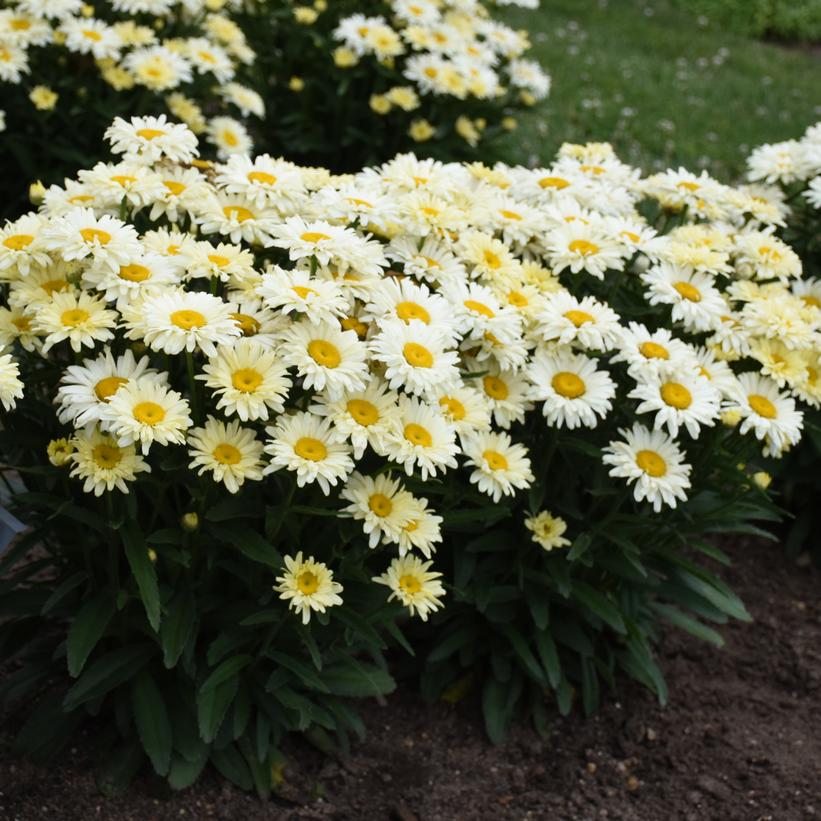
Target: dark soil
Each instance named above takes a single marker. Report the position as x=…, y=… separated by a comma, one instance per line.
x=741, y=739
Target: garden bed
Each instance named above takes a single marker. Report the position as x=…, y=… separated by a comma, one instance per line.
x=738, y=741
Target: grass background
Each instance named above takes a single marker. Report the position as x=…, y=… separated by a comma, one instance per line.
x=665, y=86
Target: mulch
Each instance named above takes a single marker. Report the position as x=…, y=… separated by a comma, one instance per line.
x=740, y=740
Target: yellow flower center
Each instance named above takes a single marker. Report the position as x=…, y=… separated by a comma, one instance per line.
x=302, y=291
x=357, y=201
x=313, y=236
x=106, y=388
x=688, y=186
x=95, y=235
x=651, y=463
x=246, y=380
x=187, y=319
x=762, y=406
x=123, y=179
x=380, y=504
x=511, y=215
x=652, y=350
x=579, y=318
x=20, y=24
x=148, y=413
x=351, y=323
x=495, y=388
x=324, y=353
x=411, y=526
x=220, y=262
x=364, y=412
x=135, y=272
x=18, y=242
x=676, y=395
x=407, y=311
x=688, y=291
x=227, y=454
x=52, y=285
x=812, y=301
x=492, y=260
x=417, y=435
x=583, y=247
x=553, y=182
x=106, y=457
x=90, y=34
x=453, y=408
x=568, y=384
x=417, y=356
x=237, y=212
x=630, y=235
x=307, y=583
x=432, y=263
x=517, y=299
x=230, y=138
x=150, y=133
x=176, y=188
x=495, y=460
x=22, y=323
x=479, y=308
x=74, y=317
x=313, y=450
x=410, y=584
x=249, y=325
x=262, y=176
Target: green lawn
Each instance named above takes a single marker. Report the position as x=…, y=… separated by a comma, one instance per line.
x=663, y=87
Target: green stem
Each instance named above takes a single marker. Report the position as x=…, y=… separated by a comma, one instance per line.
x=192, y=385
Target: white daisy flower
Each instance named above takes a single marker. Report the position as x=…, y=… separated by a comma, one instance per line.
x=80, y=318
x=501, y=467
x=308, y=585
x=296, y=291
x=422, y=532
x=11, y=386
x=103, y=463
x=232, y=454
x=548, y=530
x=507, y=394
x=413, y=583
x=20, y=246
x=584, y=246
x=403, y=300
x=382, y=505
x=310, y=447
x=651, y=461
x=693, y=297
x=645, y=351
x=585, y=322
x=465, y=408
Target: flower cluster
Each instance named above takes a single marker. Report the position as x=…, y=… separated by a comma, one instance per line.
x=444, y=73
x=370, y=334
x=62, y=59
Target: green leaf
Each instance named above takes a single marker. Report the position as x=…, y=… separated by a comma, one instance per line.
x=177, y=627
x=688, y=623
x=309, y=677
x=122, y=764
x=498, y=704
x=228, y=669
x=63, y=590
x=549, y=655
x=183, y=773
x=87, y=629
x=231, y=764
x=358, y=680
x=107, y=673
x=249, y=542
x=599, y=604
x=151, y=719
x=524, y=653
x=212, y=706
x=142, y=568
x=580, y=546
x=724, y=599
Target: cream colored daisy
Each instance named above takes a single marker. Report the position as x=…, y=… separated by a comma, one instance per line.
x=501, y=467
x=11, y=387
x=308, y=585
x=422, y=532
x=547, y=530
x=382, y=505
x=103, y=463
x=413, y=584
x=78, y=317
x=230, y=453
x=296, y=291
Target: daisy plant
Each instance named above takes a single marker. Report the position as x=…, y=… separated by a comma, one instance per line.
x=795, y=167
x=265, y=423
x=67, y=68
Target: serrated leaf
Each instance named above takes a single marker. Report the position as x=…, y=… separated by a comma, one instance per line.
x=87, y=629
x=152, y=721
x=136, y=551
x=177, y=627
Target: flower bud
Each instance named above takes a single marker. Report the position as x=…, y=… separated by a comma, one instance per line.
x=190, y=522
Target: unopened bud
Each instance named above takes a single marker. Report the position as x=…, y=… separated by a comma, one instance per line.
x=190, y=522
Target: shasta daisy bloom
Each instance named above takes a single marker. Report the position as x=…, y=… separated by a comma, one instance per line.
x=237, y=218
x=716, y=371
x=506, y=393
x=11, y=387
x=465, y=408
x=516, y=221
x=174, y=321
x=575, y=393
x=365, y=417
x=249, y=379
x=645, y=351
x=653, y=463
x=78, y=317
x=382, y=505
x=59, y=452
x=326, y=357
x=422, y=532
x=501, y=467
x=31, y=292
x=296, y=291
x=310, y=447
x=547, y=530
x=263, y=181
x=767, y=412
x=777, y=361
x=15, y=326
x=80, y=234
x=693, y=297
x=421, y=438
x=20, y=246
x=86, y=389
x=90, y=36
x=129, y=181
x=582, y=246
x=679, y=397
x=103, y=463
x=245, y=99
x=303, y=240
x=432, y=262
x=224, y=261
x=184, y=190
x=307, y=585
x=478, y=312
x=232, y=454
x=762, y=255
x=413, y=584
x=129, y=282
x=415, y=357
x=586, y=322
x=229, y=136
x=157, y=68
x=146, y=411
x=488, y=257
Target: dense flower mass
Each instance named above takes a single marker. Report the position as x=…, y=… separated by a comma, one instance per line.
x=369, y=334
